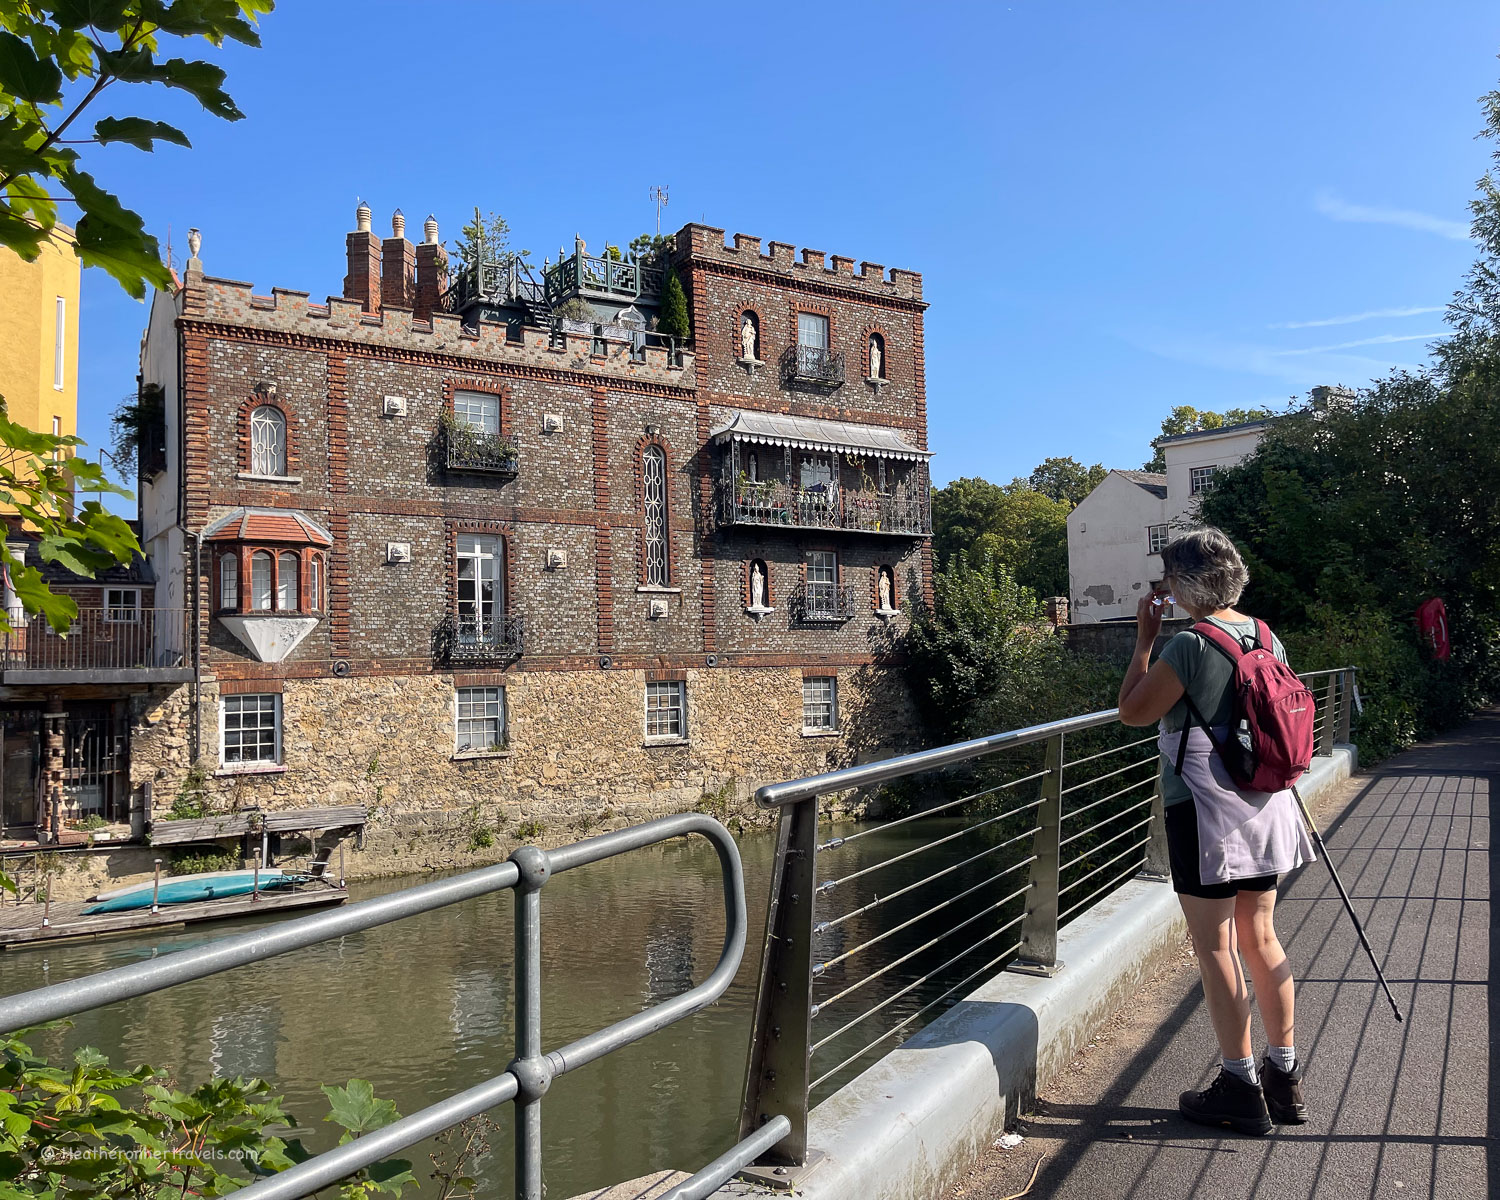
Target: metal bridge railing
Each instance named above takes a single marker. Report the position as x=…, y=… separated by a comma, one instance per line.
x=862, y=949
x=532, y=1071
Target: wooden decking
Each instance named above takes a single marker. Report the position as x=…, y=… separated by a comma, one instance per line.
x=21, y=924
x=237, y=824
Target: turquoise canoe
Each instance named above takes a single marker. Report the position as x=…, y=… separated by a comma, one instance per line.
x=188, y=889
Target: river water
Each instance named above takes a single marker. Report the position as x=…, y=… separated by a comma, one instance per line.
x=423, y=1007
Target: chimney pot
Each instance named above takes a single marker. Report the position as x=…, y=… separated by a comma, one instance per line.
x=430, y=230
x=398, y=224
x=362, y=218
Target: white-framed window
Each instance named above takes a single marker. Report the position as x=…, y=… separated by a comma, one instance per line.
x=1156, y=538
x=60, y=344
x=479, y=717
x=478, y=410
x=267, y=441
x=57, y=432
x=250, y=730
x=666, y=709
x=315, y=584
x=654, y=514
x=229, y=581
x=260, y=580
x=122, y=606
x=481, y=587
x=820, y=704
x=286, y=581
x=812, y=330
x=822, y=580
x=1200, y=479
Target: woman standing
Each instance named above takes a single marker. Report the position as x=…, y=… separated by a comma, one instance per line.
x=1227, y=846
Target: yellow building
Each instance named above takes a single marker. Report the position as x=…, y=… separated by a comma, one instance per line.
x=39, y=351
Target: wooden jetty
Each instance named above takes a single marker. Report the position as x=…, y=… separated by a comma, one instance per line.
x=21, y=925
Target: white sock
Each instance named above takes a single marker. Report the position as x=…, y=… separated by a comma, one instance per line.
x=1283, y=1057
x=1244, y=1068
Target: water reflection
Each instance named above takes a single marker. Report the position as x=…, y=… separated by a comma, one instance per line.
x=424, y=1007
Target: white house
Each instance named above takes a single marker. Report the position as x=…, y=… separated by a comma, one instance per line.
x=1116, y=534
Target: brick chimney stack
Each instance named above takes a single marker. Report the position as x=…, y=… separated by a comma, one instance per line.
x=398, y=272
x=432, y=272
x=363, y=281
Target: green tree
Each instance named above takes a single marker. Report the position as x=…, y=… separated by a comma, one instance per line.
x=45, y=48
x=1187, y=419
x=485, y=237
x=1066, y=479
x=981, y=658
x=1020, y=527
x=673, y=320
x=648, y=247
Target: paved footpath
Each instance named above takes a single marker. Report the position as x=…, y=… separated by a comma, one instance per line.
x=1403, y=1111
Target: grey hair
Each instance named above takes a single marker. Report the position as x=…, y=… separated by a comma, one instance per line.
x=1205, y=570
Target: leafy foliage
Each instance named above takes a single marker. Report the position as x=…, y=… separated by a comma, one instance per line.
x=1014, y=524
x=1066, y=479
x=189, y=860
x=42, y=483
x=91, y=1129
x=484, y=238
x=138, y=430
x=648, y=247
x=48, y=53
x=673, y=320
x=982, y=658
x=1187, y=419
x=1350, y=516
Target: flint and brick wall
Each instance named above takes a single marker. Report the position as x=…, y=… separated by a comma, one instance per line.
x=575, y=728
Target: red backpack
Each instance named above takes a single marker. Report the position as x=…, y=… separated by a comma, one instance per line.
x=1270, y=741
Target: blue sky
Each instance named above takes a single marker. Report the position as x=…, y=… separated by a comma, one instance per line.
x=1117, y=208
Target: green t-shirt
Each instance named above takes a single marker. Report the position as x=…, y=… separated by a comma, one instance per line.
x=1206, y=673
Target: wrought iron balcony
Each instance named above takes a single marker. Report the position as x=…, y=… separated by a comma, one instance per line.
x=822, y=603
x=812, y=366
x=906, y=512
x=103, y=645
x=468, y=449
x=466, y=640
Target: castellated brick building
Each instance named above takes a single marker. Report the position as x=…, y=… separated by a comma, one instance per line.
x=487, y=549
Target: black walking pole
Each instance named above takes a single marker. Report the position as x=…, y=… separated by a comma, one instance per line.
x=1348, y=907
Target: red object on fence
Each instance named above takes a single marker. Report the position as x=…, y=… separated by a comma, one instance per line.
x=1432, y=627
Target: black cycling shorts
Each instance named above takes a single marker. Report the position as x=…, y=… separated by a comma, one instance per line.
x=1182, y=852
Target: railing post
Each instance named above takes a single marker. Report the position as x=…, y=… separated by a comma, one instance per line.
x=1038, y=954
x=1325, y=740
x=778, y=1072
x=531, y=1069
x=1346, y=704
x=1158, y=865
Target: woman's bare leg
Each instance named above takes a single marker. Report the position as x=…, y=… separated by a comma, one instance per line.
x=1212, y=924
x=1266, y=961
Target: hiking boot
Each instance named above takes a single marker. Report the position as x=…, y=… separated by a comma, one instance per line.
x=1229, y=1102
x=1283, y=1090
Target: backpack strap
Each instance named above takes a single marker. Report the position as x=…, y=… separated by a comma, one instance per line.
x=1193, y=715
x=1263, y=636
x=1226, y=643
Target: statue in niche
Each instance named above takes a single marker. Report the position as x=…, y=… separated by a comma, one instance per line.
x=757, y=585
x=875, y=357
x=748, y=338
x=885, y=590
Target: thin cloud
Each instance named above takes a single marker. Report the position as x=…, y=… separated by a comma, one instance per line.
x=1340, y=210
x=1383, y=340
x=1355, y=318
x=1300, y=371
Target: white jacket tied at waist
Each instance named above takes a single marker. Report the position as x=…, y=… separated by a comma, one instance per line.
x=1241, y=834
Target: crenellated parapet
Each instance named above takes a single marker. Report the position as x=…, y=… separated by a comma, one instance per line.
x=610, y=352
x=704, y=243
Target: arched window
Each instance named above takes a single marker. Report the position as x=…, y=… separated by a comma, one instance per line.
x=260, y=580
x=267, y=441
x=229, y=581
x=315, y=584
x=654, y=512
x=286, y=581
